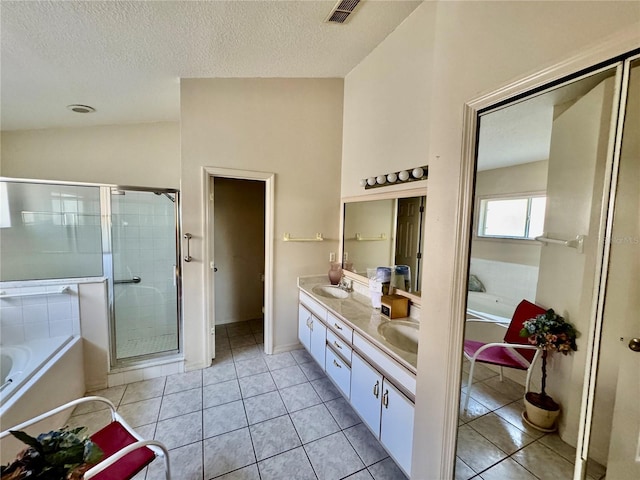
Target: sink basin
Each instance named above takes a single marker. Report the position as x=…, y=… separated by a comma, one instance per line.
x=329, y=291
x=403, y=335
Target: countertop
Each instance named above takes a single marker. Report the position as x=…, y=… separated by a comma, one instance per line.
x=364, y=319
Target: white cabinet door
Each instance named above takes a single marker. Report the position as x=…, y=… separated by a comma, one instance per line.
x=318, y=341
x=304, y=329
x=396, y=429
x=339, y=371
x=366, y=390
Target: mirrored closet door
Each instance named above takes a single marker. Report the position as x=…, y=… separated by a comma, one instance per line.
x=545, y=179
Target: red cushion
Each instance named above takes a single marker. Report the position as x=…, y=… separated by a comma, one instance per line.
x=113, y=438
x=524, y=311
x=496, y=355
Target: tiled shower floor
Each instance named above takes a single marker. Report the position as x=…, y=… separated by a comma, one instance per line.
x=250, y=416
x=134, y=347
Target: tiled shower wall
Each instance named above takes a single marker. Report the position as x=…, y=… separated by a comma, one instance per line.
x=41, y=316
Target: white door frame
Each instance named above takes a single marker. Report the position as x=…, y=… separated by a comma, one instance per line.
x=618, y=44
x=209, y=294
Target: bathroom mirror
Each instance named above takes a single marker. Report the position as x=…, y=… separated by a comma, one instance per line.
x=384, y=232
x=542, y=175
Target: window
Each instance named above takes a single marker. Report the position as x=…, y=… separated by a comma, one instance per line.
x=518, y=216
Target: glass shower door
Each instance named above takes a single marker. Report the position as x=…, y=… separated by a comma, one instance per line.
x=145, y=315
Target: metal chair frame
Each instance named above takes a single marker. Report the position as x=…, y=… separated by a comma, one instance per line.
x=155, y=446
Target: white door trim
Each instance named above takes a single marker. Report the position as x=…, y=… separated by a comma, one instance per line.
x=616, y=45
x=268, y=178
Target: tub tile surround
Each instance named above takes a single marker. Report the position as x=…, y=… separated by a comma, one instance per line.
x=41, y=316
x=219, y=423
x=505, y=283
x=366, y=320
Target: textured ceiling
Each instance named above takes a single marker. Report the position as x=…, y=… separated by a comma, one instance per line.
x=521, y=132
x=126, y=58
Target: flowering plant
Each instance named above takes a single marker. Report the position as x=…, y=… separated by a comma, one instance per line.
x=550, y=332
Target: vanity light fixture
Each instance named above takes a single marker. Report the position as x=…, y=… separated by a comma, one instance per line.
x=396, y=178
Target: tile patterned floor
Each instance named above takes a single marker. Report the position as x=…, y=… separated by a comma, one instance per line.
x=249, y=416
x=495, y=443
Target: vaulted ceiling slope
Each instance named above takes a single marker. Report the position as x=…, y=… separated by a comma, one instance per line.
x=126, y=58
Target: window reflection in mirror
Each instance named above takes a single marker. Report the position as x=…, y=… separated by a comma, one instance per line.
x=386, y=232
x=541, y=173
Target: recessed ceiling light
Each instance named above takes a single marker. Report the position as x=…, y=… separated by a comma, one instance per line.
x=81, y=108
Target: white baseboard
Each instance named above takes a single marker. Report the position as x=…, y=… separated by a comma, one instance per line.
x=287, y=348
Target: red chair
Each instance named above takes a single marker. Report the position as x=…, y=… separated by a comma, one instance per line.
x=514, y=352
x=125, y=452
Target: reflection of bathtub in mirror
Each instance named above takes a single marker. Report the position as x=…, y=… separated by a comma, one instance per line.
x=487, y=306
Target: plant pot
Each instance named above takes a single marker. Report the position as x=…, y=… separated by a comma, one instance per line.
x=541, y=411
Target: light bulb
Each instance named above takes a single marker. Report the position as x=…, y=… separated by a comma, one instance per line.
x=392, y=177
x=363, y=182
x=371, y=181
x=403, y=175
x=417, y=172
x=381, y=179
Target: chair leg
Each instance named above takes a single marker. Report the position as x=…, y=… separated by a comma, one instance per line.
x=469, y=383
x=167, y=465
x=501, y=374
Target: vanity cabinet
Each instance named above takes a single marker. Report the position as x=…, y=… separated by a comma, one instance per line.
x=356, y=365
x=312, y=334
x=387, y=412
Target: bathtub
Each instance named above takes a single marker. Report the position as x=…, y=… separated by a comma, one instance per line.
x=38, y=376
x=492, y=308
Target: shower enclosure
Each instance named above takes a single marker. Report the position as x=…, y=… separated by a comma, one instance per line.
x=128, y=235
x=142, y=241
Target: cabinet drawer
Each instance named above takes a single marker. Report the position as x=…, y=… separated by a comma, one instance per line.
x=317, y=309
x=339, y=372
x=339, y=345
x=341, y=328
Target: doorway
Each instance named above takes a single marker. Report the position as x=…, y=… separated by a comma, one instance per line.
x=239, y=252
x=238, y=245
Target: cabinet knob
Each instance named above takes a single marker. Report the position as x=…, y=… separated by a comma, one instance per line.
x=337, y=326
x=336, y=363
x=385, y=399
x=376, y=389
x=337, y=345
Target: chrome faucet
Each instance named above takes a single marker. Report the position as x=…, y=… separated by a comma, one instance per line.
x=345, y=284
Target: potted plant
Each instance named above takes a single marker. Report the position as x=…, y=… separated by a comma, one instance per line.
x=550, y=332
x=63, y=454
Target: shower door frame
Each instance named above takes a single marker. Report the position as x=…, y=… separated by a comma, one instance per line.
x=108, y=272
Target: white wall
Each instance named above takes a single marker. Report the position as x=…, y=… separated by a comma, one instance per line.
x=387, y=105
x=574, y=200
x=291, y=127
x=476, y=47
x=137, y=154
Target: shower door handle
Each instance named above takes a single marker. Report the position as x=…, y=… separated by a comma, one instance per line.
x=188, y=257
x=135, y=279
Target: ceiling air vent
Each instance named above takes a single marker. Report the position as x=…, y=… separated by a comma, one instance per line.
x=342, y=11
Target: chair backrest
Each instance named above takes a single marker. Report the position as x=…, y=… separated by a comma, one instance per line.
x=524, y=311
